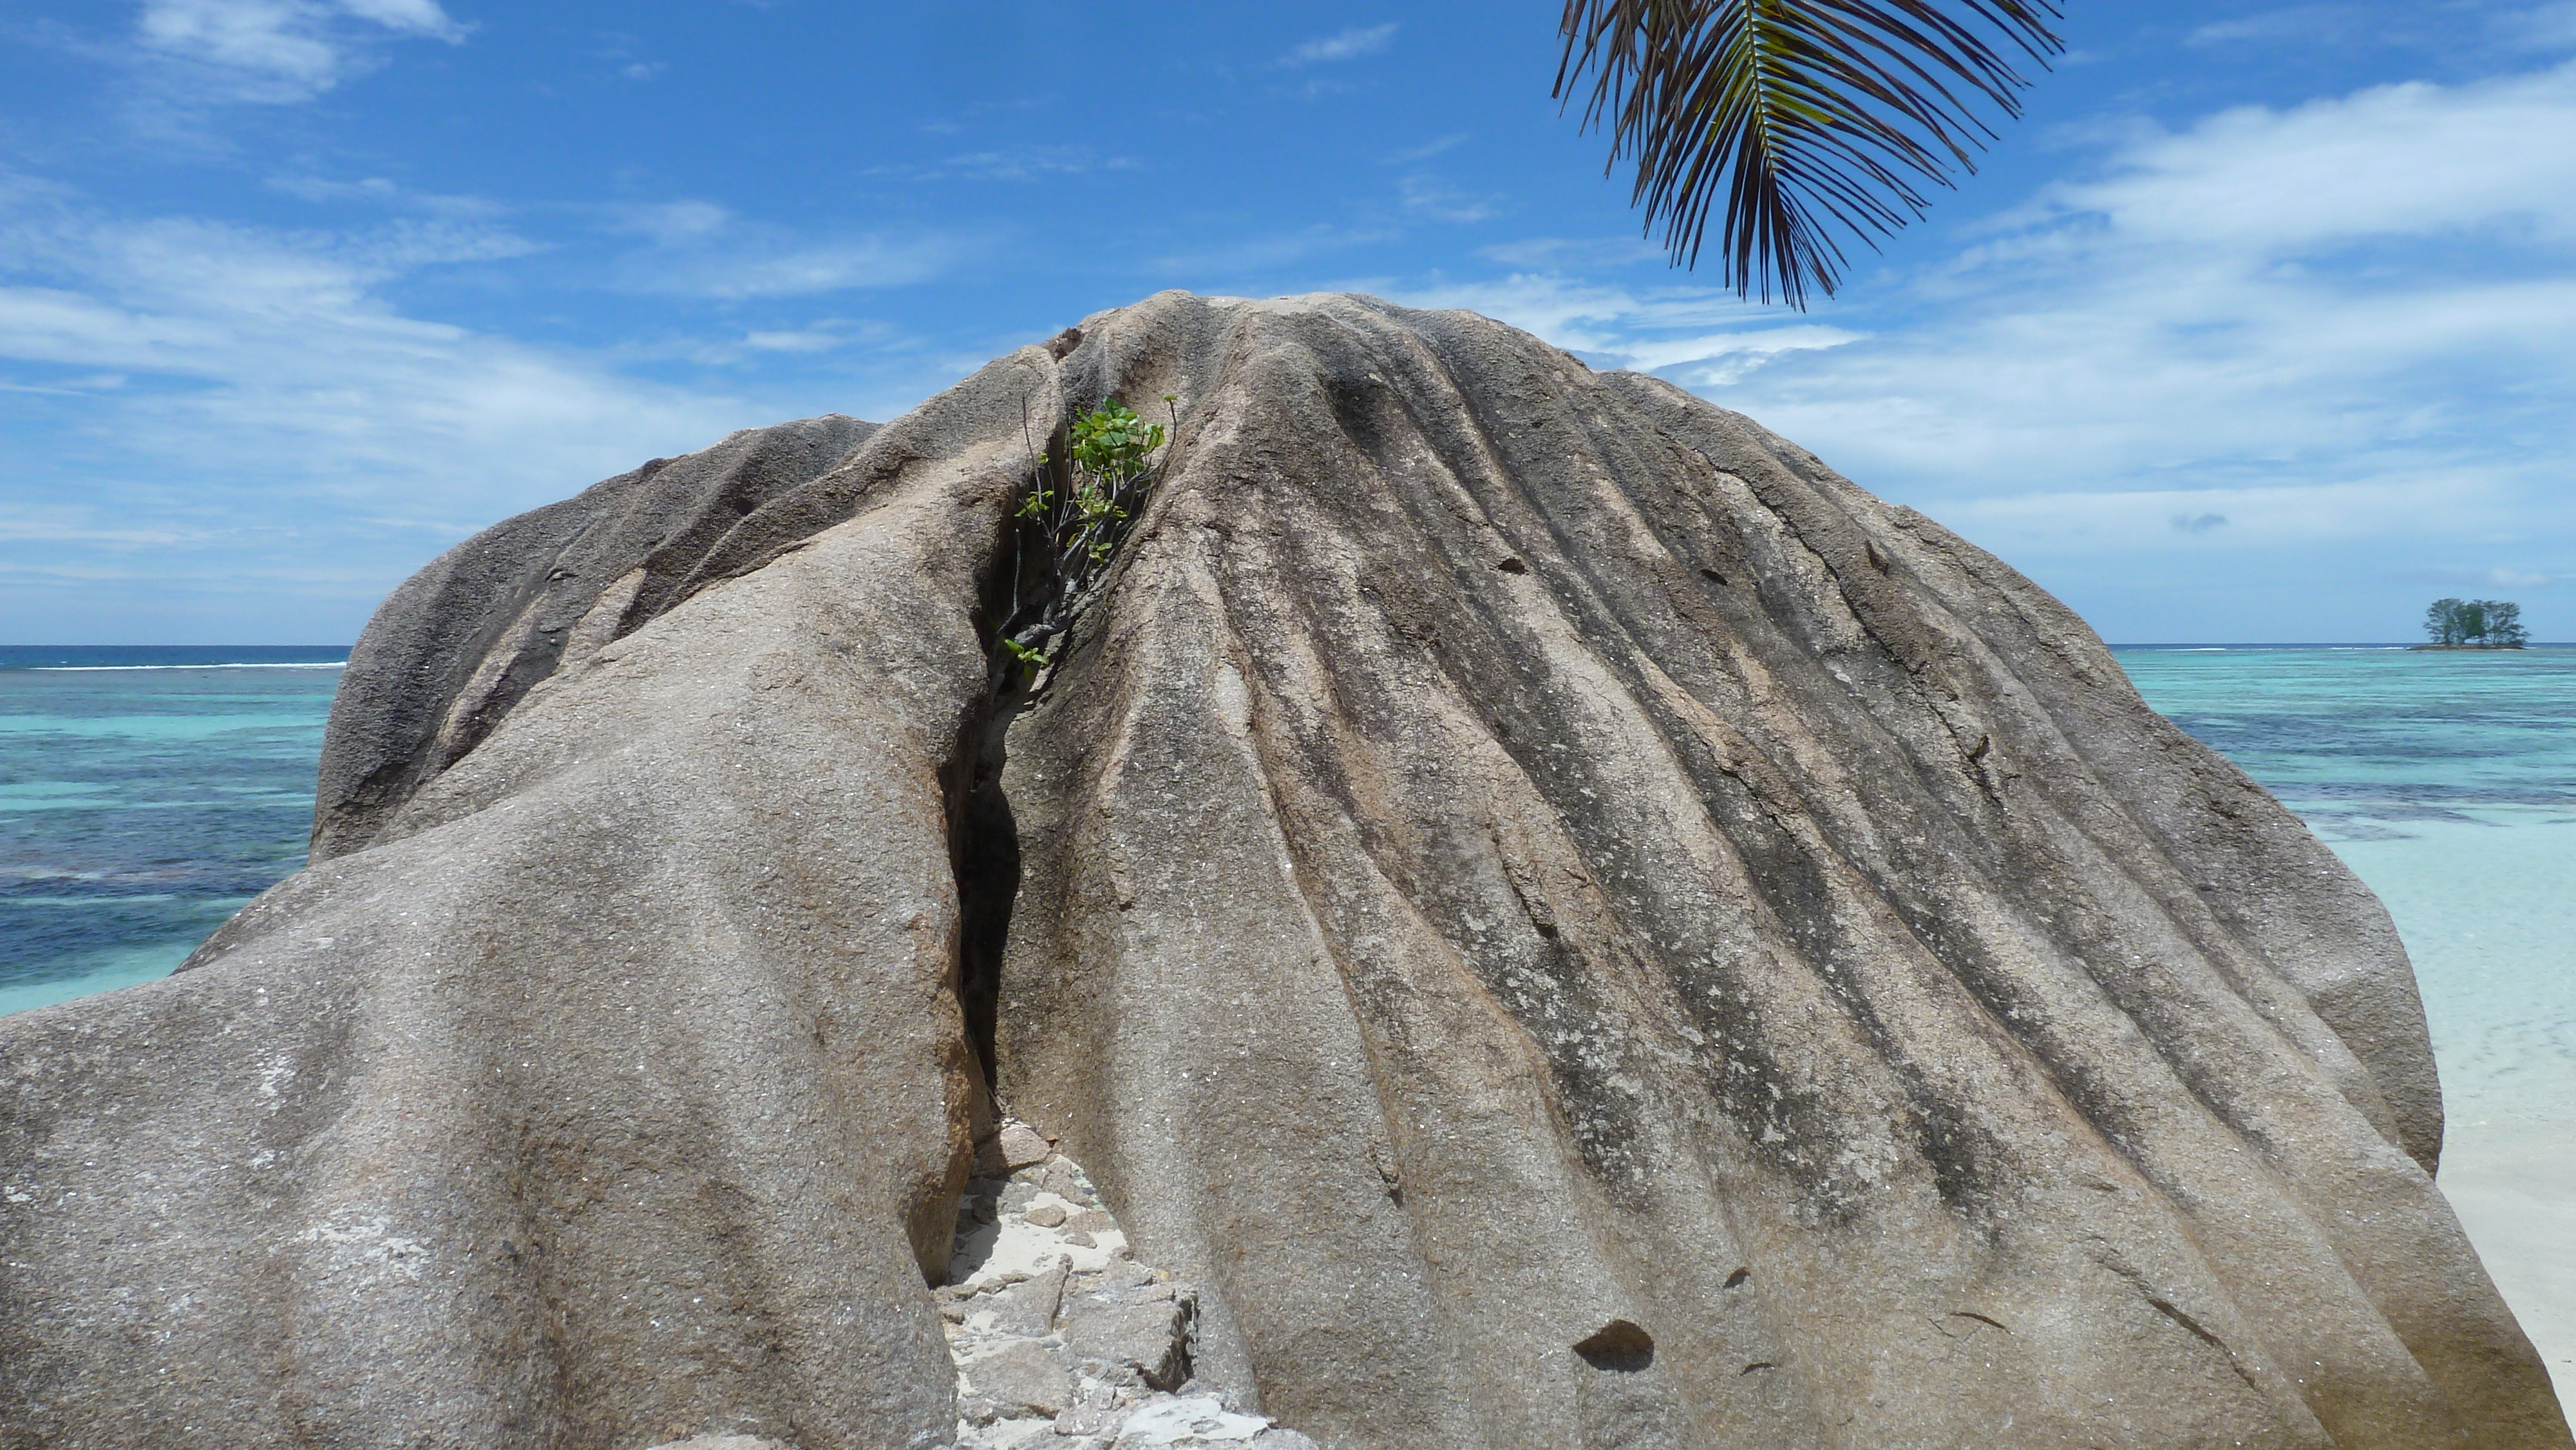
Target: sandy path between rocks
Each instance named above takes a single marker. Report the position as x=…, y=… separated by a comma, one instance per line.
x=2514, y=1187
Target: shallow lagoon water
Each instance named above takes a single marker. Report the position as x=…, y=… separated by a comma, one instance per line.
x=2447, y=781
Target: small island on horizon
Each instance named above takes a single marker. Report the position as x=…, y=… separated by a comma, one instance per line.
x=2474, y=624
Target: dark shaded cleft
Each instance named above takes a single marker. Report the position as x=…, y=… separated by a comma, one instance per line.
x=983, y=831
x=1618, y=1346
x=984, y=854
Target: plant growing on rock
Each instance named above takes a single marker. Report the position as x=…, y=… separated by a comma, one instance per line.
x=1073, y=523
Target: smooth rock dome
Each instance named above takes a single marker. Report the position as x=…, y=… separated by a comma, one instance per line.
x=1570, y=924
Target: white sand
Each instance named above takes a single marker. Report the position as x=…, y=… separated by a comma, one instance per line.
x=2514, y=1187
x=1014, y=1248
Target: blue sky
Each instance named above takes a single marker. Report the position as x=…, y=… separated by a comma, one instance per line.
x=2261, y=326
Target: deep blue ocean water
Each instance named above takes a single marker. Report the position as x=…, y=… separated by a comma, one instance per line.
x=146, y=794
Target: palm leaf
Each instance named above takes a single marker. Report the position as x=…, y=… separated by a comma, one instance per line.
x=1811, y=117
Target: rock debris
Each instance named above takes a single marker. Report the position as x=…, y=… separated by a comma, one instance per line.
x=1063, y=1341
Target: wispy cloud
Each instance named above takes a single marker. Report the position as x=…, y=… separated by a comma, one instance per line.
x=2550, y=27
x=1439, y=200
x=2308, y=23
x=1554, y=253
x=1025, y=163
x=1655, y=330
x=379, y=191
x=625, y=52
x=701, y=249
x=281, y=50
x=1424, y=152
x=249, y=391
x=1348, y=44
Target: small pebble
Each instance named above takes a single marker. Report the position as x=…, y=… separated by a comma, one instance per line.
x=1022, y=1146
x=1046, y=1215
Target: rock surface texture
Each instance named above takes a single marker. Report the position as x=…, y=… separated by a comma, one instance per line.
x=1551, y=918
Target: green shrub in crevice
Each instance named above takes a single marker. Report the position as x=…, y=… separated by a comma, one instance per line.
x=1071, y=524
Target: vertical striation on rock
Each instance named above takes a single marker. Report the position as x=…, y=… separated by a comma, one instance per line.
x=1560, y=920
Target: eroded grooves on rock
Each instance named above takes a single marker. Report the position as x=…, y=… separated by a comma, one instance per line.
x=1527, y=850
x=454, y=650
x=1512, y=853
x=616, y=1090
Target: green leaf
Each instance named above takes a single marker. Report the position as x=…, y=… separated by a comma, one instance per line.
x=1794, y=120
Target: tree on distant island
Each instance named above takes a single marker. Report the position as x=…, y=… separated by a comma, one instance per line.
x=2476, y=623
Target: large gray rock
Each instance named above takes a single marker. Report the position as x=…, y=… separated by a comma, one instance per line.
x=1568, y=921
x=454, y=649
x=616, y=1093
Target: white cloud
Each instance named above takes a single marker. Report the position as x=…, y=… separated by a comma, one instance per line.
x=1650, y=331
x=1426, y=196
x=1343, y=45
x=2304, y=294
x=244, y=382
x=282, y=50
x=2243, y=519
x=2345, y=328
x=700, y=249
x=2285, y=300
x=2402, y=161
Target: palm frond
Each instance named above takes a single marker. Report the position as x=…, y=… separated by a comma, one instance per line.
x=1811, y=118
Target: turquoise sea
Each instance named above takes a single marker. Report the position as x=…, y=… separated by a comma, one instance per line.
x=2447, y=781
x=145, y=794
